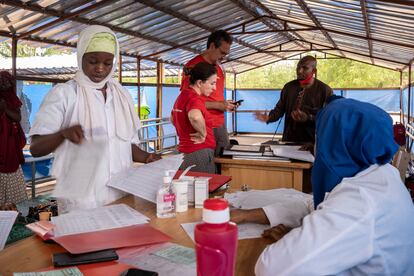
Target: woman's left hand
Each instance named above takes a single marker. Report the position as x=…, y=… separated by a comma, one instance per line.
x=277, y=232
x=197, y=138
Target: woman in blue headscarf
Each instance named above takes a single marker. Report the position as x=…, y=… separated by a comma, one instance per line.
x=363, y=222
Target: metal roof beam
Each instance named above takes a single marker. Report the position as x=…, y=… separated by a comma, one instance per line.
x=39, y=9
x=198, y=39
x=275, y=61
x=255, y=53
x=348, y=34
x=399, y=2
x=355, y=53
x=70, y=45
x=367, y=26
x=252, y=11
x=66, y=17
x=309, y=13
x=185, y=18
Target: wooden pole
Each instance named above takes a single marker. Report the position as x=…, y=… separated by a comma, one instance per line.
x=139, y=86
x=120, y=68
x=233, y=115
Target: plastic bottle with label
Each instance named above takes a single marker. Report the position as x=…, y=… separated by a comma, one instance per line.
x=166, y=198
x=216, y=240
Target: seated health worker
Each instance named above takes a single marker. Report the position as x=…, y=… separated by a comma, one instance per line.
x=193, y=122
x=91, y=126
x=362, y=223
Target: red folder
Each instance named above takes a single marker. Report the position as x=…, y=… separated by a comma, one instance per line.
x=215, y=182
x=141, y=234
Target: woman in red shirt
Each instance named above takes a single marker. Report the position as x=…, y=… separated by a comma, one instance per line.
x=193, y=122
x=12, y=141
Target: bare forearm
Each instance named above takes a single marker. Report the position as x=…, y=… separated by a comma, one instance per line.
x=258, y=216
x=246, y=216
x=199, y=125
x=213, y=105
x=44, y=144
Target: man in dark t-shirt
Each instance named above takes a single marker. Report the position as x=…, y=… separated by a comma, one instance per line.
x=299, y=101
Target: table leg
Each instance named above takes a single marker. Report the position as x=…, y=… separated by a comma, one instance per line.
x=33, y=179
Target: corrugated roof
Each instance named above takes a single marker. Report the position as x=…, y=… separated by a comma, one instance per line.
x=373, y=31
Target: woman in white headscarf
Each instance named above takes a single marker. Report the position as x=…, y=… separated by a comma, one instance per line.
x=91, y=126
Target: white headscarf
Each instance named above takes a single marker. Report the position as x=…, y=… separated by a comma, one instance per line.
x=126, y=119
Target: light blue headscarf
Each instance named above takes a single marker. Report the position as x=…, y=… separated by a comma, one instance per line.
x=350, y=137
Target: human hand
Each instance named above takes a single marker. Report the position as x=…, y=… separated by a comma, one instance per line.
x=197, y=137
x=73, y=134
x=299, y=116
x=228, y=105
x=262, y=117
x=277, y=232
x=308, y=147
x=153, y=157
x=238, y=215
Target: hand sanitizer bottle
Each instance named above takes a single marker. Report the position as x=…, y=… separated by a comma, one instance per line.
x=166, y=198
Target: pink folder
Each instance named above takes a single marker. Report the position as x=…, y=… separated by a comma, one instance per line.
x=135, y=235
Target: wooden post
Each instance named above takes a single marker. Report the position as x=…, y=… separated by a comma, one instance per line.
x=139, y=86
x=409, y=93
x=402, y=117
x=14, y=57
x=160, y=80
x=120, y=68
x=233, y=96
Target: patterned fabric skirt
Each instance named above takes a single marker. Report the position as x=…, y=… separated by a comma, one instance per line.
x=12, y=187
x=203, y=159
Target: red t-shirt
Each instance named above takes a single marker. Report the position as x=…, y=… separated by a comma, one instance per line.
x=216, y=96
x=187, y=100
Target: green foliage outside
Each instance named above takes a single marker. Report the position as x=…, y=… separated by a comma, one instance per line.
x=28, y=51
x=337, y=73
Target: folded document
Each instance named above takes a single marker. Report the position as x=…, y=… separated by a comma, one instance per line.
x=113, y=226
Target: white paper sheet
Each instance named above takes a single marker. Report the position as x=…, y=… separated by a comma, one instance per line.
x=144, y=181
x=293, y=152
x=246, y=230
x=260, y=198
x=7, y=219
x=102, y=218
x=166, y=259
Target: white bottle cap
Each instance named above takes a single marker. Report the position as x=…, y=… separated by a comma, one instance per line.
x=166, y=179
x=216, y=210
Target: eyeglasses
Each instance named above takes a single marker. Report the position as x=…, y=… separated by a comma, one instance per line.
x=222, y=52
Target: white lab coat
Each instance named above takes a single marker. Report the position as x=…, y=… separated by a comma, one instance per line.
x=56, y=113
x=365, y=226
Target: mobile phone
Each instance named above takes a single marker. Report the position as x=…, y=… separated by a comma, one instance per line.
x=238, y=102
x=138, y=272
x=66, y=259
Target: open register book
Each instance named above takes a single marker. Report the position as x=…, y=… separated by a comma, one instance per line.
x=113, y=226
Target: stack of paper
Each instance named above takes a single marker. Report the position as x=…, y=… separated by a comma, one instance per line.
x=103, y=218
x=145, y=181
x=113, y=226
x=7, y=219
x=166, y=259
x=293, y=152
x=245, y=150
